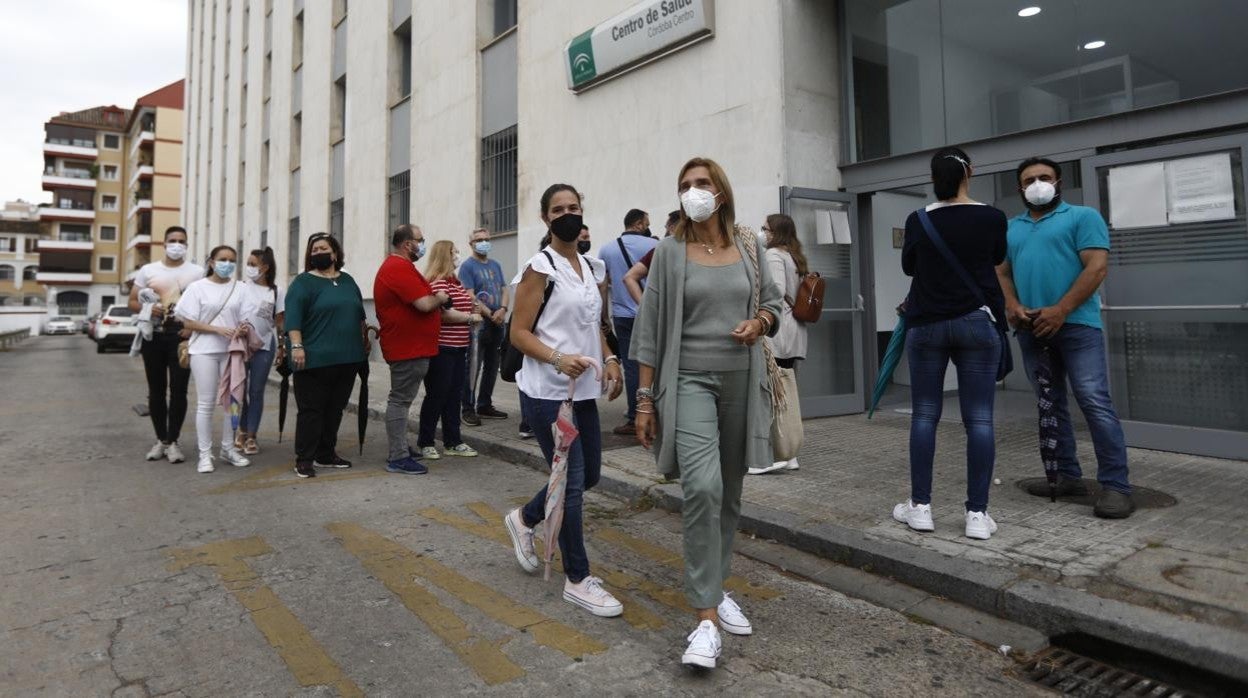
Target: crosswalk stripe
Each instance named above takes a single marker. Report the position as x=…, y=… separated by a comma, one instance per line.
x=676, y=560
x=304, y=657
x=399, y=564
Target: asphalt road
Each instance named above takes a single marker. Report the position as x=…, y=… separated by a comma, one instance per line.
x=128, y=578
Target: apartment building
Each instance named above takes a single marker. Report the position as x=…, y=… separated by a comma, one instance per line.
x=20, y=231
x=113, y=174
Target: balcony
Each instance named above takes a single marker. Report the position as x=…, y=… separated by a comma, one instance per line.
x=142, y=173
x=67, y=244
x=144, y=139
x=67, y=179
x=142, y=202
x=70, y=148
x=63, y=277
x=67, y=211
x=143, y=240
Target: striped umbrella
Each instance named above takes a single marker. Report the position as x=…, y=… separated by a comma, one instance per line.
x=1048, y=416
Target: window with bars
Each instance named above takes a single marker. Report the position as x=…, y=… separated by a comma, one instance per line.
x=398, y=203
x=498, y=181
x=292, y=249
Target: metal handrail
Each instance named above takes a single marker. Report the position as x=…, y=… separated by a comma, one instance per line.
x=7, y=339
x=1242, y=306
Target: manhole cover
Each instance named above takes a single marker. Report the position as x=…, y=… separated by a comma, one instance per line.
x=1076, y=675
x=1145, y=498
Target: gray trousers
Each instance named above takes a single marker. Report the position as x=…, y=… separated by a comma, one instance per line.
x=405, y=378
x=710, y=429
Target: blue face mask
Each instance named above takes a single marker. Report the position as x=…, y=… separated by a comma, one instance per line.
x=482, y=248
x=224, y=268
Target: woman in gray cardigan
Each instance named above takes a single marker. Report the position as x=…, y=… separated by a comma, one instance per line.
x=708, y=301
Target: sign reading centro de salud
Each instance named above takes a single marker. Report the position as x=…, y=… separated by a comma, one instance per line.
x=644, y=31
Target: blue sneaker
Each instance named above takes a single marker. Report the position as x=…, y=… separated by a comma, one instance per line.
x=406, y=466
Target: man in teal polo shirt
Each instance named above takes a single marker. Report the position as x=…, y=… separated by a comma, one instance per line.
x=1058, y=257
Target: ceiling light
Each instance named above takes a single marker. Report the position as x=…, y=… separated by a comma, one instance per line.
x=1029, y=12
x=1094, y=44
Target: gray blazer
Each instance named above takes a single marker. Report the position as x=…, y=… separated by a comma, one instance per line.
x=656, y=342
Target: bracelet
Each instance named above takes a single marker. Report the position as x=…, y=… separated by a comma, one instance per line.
x=639, y=411
x=611, y=359
x=296, y=346
x=556, y=360
x=645, y=394
x=762, y=320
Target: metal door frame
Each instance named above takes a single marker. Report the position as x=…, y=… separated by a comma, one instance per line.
x=843, y=403
x=1219, y=443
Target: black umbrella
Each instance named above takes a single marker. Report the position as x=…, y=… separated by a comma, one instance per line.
x=362, y=409
x=1048, y=417
x=283, y=394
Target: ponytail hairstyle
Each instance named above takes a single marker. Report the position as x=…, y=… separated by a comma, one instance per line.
x=213, y=255
x=266, y=258
x=949, y=167
x=784, y=236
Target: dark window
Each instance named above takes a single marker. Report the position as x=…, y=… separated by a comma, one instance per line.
x=28, y=274
x=107, y=300
x=398, y=202
x=336, y=210
x=294, y=259
x=403, y=37
x=8, y=245
x=498, y=180
x=75, y=232
x=112, y=141
x=6, y=272
x=504, y=15
x=264, y=239
x=107, y=232
x=69, y=302
x=106, y=263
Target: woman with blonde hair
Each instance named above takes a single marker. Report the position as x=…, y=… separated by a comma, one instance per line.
x=706, y=394
x=444, y=381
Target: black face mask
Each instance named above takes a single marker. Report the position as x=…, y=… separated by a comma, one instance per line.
x=646, y=232
x=567, y=227
x=582, y=246
x=321, y=261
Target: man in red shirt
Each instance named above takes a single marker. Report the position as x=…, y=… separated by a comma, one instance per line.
x=410, y=316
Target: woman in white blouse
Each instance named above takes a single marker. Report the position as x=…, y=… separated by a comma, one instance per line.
x=216, y=309
x=563, y=344
x=269, y=302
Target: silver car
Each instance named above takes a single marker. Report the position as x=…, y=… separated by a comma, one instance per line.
x=60, y=325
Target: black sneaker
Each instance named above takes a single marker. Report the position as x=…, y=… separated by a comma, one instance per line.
x=304, y=468
x=1113, y=504
x=470, y=418
x=526, y=432
x=406, y=466
x=1066, y=487
x=336, y=462
x=490, y=413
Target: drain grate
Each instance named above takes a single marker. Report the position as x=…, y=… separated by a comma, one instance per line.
x=1076, y=675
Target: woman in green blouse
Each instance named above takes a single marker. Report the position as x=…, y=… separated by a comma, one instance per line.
x=328, y=341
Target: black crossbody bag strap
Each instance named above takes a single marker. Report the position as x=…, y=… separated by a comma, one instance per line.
x=624, y=251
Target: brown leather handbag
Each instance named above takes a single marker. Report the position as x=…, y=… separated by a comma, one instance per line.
x=809, y=302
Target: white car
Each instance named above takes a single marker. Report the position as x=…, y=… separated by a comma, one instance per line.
x=115, y=328
x=60, y=325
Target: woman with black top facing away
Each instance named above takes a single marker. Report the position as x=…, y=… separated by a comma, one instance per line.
x=325, y=326
x=565, y=343
x=946, y=322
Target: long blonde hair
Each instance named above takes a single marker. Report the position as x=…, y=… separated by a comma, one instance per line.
x=441, y=262
x=727, y=212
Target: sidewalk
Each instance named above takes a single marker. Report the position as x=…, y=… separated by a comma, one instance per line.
x=1170, y=580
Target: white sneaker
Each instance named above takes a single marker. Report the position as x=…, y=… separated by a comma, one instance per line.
x=791, y=464
x=462, y=450
x=233, y=457
x=589, y=595
x=917, y=517
x=779, y=465
x=522, y=541
x=174, y=453
x=979, y=525
x=704, y=646
x=205, y=464
x=731, y=619
x=430, y=453
x=157, y=452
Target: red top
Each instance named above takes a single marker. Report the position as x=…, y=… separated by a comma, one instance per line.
x=454, y=335
x=647, y=259
x=406, y=333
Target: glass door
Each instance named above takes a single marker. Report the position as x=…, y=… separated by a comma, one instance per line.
x=1175, y=302
x=831, y=377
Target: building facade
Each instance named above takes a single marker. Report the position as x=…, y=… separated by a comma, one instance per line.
x=22, y=299
x=350, y=118
x=112, y=173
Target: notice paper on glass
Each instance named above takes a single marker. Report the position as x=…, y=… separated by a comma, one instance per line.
x=840, y=226
x=1137, y=196
x=1201, y=188
x=823, y=227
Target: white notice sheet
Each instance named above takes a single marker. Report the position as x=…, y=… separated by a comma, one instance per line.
x=1201, y=188
x=1137, y=196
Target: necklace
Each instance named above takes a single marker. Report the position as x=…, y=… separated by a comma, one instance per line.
x=331, y=279
x=709, y=249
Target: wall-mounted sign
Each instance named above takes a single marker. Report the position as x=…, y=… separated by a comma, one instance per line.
x=641, y=33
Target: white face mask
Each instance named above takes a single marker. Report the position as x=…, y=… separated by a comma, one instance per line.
x=699, y=204
x=175, y=250
x=456, y=259
x=252, y=273
x=1039, y=193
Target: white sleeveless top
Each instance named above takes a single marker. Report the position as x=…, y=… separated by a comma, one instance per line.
x=569, y=324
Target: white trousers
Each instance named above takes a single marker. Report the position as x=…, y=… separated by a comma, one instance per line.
x=206, y=370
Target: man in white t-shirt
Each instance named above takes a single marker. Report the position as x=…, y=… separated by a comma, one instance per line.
x=166, y=379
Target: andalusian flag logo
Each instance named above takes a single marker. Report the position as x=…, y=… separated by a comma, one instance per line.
x=581, y=58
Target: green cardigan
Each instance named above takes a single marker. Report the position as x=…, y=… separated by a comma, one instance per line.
x=656, y=343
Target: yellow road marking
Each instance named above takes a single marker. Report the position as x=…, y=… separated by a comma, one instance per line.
x=397, y=566
x=635, y=614
x=272, y=476
x=676, y=560
x=307, y=661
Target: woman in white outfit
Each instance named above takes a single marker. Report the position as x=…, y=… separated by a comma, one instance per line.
x=215, y=309
x=787, y=265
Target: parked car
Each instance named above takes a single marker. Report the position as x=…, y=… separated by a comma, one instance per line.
x=60, y=325
x=91, y=323
x=115, y=329
x=86, y=323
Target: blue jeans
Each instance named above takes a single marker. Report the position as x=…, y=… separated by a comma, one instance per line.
x=624, y=333
x=490, y=343
x=584, y=468
x=443, y=382
x=973, y=344
x=257, y=377
x=1078, y=353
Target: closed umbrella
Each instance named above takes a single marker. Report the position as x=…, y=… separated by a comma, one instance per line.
x=565, y=432
x=474, y=358
x=1048, y=416
x=892, y=356
x=283, y=395
x=361, y=412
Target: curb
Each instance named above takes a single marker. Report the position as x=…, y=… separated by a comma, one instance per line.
x=1050, y=608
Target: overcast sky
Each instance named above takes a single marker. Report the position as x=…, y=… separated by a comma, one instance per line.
x=67, y=55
